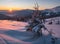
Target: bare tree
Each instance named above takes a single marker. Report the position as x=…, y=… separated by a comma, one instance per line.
x=36, y=9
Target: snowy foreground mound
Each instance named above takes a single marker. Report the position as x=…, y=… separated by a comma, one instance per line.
x=13, y=32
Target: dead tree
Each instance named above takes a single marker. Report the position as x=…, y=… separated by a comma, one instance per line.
x=36, y=10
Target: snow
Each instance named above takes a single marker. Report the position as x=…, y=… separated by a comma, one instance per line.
x=14, y=32
x=12, y=25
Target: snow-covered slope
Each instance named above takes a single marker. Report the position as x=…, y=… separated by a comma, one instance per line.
x=13, y=25
x=13, y=32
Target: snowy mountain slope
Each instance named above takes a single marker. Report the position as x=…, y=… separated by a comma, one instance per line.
x=12, y=32
x=57, y=9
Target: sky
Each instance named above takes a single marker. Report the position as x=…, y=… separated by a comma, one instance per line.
x=27, y=4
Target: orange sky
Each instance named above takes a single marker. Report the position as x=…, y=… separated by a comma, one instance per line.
x=7, y=8
x=18, y=8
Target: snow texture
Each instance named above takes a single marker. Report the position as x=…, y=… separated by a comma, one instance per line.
x=13, y=32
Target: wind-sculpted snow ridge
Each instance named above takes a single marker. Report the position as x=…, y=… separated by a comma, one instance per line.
x=2, y=41
x=13, y=32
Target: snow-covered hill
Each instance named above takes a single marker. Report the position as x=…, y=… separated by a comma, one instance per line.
x=13, y=32
x=56, y=9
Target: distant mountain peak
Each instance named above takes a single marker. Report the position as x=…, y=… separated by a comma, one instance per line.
x=57, y=9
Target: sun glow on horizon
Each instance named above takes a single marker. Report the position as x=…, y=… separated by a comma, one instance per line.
x=13, y=8
x=10, y=10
